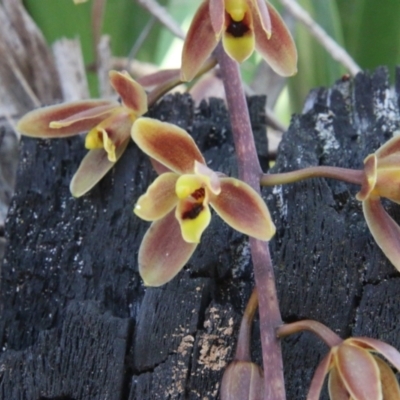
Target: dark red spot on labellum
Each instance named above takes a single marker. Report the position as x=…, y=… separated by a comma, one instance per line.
x=194, y=211
x=199, y=194
x=237, y=28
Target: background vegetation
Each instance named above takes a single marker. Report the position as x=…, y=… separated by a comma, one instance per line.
x=368, y=30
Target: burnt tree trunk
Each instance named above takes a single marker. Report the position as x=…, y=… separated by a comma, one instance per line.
x=76, y=321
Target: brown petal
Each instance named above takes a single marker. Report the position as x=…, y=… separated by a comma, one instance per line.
x=388, y=177
x=199, y=43
x=217, y=15
x=132, y=94
x=280, y=50
x=261, y=11
x=383, y=228
x=390, y=385
x=319, y=377
x=358, y=372
x=337, y=391
x=388, y=148
x=158, y=167
x=159, y=77
x=369, y=179
x=159, y=199
x=76, y=117
x=243, y=209
x=92, y=169
x=163, y=252
x=386, y=350
x=167, y=144
x=242, y=380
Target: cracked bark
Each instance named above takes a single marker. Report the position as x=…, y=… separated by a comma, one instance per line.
x=75, y=321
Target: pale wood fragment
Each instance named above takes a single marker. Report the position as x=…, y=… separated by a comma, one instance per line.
x=71, y=69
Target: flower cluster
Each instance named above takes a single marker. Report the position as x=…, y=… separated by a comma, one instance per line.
x=356, y=372
x=178, y=201
x=382, y=179
x=243, y=25
x=109, y=124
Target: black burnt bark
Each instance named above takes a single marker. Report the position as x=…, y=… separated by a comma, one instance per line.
x=76, y=321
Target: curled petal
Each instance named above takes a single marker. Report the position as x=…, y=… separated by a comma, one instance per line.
x=386, y=350
x=370, y=175
x=66, y=119
x=159, y=199
x=358, y=372
x=243, y=209
x=217, y=16
x=279, y=50
x=261, y=12
x=167, y=144
x=193, y=218
x=390, y=385
x=319, y=377
x=163, y=252
x=388, y=148
x=92, y=114
x=132, y=94
x=111, y=132
x=199, y=43
x=337, y=391
x=209, y=176
x=383, y=228
x=388, y=177
x=92, y=169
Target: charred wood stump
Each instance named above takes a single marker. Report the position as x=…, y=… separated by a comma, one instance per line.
x=76, y=321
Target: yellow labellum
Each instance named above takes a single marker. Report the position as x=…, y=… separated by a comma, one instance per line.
x=93, y=140
x=109, y=147
x=239, y=48
x=98, y=139
x=192, y=229
x=236, y=9
x=187, y=184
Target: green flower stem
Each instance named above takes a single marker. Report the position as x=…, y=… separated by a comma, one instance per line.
x=342, y=174
x=250, y=171
x=322, y=331
x=243, y=344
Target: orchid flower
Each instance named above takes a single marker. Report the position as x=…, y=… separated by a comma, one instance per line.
x=243, y=25
x=178, y=201
x=109, y=124
x=356, y=373
x=382, y=179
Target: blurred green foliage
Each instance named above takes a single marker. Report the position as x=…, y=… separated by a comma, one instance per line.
x=370, y=31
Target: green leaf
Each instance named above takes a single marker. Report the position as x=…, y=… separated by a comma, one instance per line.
x=377, y=34
x=316, y=67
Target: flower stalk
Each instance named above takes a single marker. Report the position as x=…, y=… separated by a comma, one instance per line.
x=250, y=171
x=322, y=331
x=342, y=174
x=242, y=378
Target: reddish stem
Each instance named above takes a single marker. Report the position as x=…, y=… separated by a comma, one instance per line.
x=342, y=174
x=323, y=332
x=250, y=172
x=243, y=344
